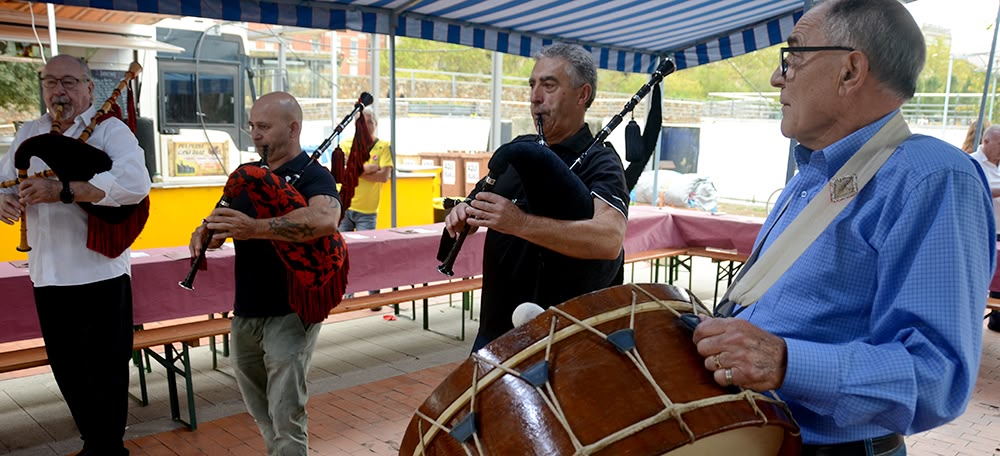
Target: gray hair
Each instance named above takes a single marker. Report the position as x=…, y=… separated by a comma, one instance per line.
x=582, y=69
x=84, y=68
x=885, y=32
x=992, y=129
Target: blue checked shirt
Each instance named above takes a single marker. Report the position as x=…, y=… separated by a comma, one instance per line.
x=882, y=314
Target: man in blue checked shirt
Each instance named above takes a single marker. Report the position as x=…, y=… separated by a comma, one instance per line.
x=875, y=331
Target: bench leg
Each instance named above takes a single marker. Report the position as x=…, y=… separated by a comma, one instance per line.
x=413, y=310
x=413, y=307
x=466, y=301
x=675, y=265
x=472, y=306
x=725, y=269
x=718, y=277
x=169, y=362
x=143, y=394
x=193, y=424
x=215, y=359
x=427, y=322
x=225, y=344
x=168, y=352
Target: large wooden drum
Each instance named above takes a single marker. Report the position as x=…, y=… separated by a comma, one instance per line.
x=612, y=372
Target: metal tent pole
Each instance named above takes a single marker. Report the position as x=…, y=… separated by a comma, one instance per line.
x=986, y=83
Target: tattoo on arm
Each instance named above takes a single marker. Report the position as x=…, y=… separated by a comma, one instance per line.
x=286, y=229
x=293, y=231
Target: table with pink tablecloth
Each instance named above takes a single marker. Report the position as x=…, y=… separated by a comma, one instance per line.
x=995, y=284
x=652, y=227
x=379, y=259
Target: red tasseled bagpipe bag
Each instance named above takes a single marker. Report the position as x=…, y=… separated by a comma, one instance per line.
x=110, y=229
x=347, y=174
x=317, y=269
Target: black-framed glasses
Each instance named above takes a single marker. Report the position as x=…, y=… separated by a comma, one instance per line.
x=785, y=50
x=68, y=82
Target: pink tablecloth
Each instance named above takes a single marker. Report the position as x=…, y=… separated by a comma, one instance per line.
x=379, y=259
x=725, y=231
x=995, y=284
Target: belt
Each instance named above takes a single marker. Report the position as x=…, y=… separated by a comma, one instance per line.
x=880, y=445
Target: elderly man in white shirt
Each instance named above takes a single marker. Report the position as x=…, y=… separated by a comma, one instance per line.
x=82, y=296
x=988, y=157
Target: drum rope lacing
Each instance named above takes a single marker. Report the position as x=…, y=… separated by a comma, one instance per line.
x=671, y=410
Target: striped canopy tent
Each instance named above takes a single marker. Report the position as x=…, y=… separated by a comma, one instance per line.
x=624, y=35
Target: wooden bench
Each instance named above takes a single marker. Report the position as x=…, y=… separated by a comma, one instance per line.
x=993, y=303
x=187, y=334
x=177, y=362
x=674, y=262
x=24, y=358
x=424, y=293
x=728, y=263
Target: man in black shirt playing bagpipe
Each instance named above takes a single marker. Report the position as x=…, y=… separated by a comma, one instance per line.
x=291, y=269
x=536, y=250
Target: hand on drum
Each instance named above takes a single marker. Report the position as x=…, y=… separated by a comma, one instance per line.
x=741, y=354
x=10, y=208
x=493, y=211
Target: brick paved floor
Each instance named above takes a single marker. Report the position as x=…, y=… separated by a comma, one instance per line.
x=369, y=375
x=370, y=419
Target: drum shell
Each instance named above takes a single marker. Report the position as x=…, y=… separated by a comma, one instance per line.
x=599, y=390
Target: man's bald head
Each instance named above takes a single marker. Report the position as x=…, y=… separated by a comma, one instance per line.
x=283, y=103
x=275, y=127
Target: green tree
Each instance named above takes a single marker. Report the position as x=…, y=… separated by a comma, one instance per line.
x=934, y=78
x=18, y=86
x=418, y=54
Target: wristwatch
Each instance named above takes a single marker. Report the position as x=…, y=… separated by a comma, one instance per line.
x=66, y=195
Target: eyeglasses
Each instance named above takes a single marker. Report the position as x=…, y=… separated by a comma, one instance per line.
x=68, y=82
x=785, y=50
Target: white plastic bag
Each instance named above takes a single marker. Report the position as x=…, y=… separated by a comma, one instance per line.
x=677, y=190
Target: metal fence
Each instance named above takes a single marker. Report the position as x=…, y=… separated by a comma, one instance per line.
x=429, y=93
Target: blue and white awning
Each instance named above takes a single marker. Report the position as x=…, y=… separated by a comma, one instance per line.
x=624, y=35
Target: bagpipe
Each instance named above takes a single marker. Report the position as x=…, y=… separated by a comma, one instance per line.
x=110, y=229
x=317, y=270
x=348, y=171
x=553, y=189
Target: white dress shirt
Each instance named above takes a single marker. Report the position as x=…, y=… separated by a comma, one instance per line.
x=57, y=232
x=993, y=177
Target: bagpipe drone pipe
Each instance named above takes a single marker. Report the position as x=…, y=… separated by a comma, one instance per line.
x=550, y=186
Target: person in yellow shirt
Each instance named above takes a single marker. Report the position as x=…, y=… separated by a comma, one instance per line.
x=363, y=212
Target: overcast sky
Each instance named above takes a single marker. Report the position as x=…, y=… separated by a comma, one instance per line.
x=970, y=21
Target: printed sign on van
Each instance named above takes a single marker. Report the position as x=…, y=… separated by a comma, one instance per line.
x=198, y=158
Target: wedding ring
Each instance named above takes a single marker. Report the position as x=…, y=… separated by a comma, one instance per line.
x=718, y=362
x=729, y=377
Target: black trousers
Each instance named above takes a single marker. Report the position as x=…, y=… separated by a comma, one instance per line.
x=88, y=337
